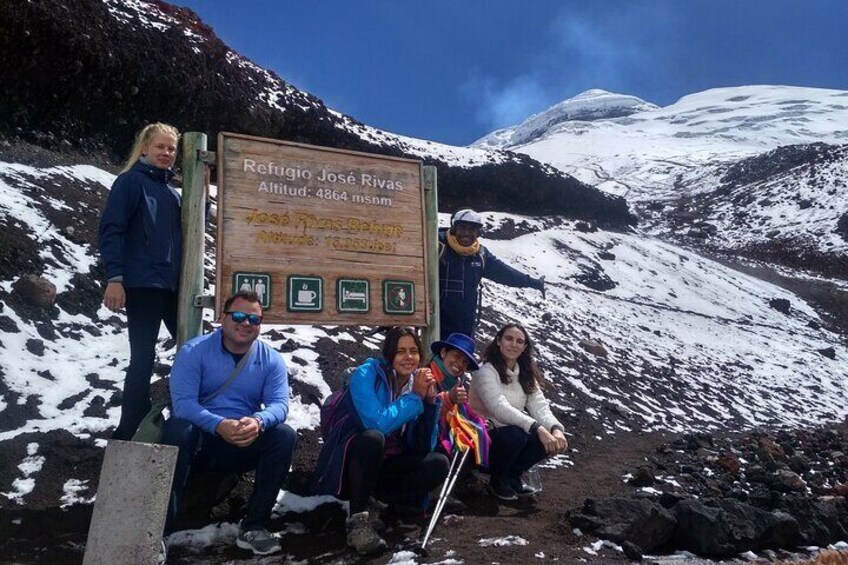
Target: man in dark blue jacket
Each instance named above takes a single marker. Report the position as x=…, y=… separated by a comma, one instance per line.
x=463, y=263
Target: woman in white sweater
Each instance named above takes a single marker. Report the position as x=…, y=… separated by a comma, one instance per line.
x=507, y=390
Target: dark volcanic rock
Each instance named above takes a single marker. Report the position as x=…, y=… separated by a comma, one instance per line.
x=632, y=551
x=775, y=162
x=785, y=480
x=820, y=521
x=842, y=226
x=35, y=346
x=730, y=527
x=595, y=279
x=35, y=290
x=644, y=477
x=828, y=352
x=593, y=347
x=782, y=305
x=640, y=521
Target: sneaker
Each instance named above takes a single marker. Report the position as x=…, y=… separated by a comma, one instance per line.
x=162, y=556
x=502, y=489
x=260, y=541
x=362, y=537
x=519, y=487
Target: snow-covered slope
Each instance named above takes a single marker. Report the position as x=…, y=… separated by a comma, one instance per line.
x=793, y=197
x=642, y=153
x=754, y=171
x=691, y=344
x=589, y=106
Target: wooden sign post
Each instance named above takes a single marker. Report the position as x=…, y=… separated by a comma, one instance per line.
x=189, y=319
x=324, y=236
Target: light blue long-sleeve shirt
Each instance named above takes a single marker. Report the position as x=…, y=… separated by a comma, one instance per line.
x=203, y=365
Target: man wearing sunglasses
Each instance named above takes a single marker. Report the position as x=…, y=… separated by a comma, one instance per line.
x=230, y=417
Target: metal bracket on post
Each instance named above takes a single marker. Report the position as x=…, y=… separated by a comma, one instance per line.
x=204, y=301
x=207, y=157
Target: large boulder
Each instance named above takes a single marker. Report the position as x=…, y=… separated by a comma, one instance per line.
x=593, y=347
x=637, y=520
x=35, y=290
x=731, y=527
x=822, y=521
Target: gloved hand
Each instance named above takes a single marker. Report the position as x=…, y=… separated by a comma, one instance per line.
x=539, y=284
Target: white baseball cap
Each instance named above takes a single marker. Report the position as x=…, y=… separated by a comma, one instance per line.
x=466, y=215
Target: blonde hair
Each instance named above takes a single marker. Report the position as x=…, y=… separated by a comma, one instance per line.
x=144, y=137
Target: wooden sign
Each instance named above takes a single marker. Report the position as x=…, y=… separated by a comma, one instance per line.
x=324, y=236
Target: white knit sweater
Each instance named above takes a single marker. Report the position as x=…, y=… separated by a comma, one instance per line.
x=508, y=405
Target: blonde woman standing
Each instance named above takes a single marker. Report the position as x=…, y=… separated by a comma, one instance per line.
x=140, y=242
x=507, y=391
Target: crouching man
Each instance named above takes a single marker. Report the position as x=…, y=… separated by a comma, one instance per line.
x=230, y=397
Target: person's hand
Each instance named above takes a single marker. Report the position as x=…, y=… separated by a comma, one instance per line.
x=539, y=284
x=240, y=433
x=432, y=393
x=114, y=297
x=458, y=394
x=549, y=442
x=422, y=383
x=562, y=442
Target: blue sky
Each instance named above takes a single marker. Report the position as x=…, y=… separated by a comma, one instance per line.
x=454, y=70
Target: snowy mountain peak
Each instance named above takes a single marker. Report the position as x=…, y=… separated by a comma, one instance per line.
x=592, y=105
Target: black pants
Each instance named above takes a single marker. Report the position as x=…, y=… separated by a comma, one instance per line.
x=147, y=308
x=399, y=479
x=513, y=451
x=270, y=455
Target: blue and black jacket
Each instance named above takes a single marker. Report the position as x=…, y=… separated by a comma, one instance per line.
x=459, y=284
x=367, y=404
x=140, y=235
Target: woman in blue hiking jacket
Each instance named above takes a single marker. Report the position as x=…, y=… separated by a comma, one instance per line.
x=141, y=247
x=382, y=437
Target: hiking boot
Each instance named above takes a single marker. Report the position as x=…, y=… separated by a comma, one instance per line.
x=375, y=509
x=519, y=487
x=362, y=537
x=259, y=541
x=453, y=505
x=500, y=486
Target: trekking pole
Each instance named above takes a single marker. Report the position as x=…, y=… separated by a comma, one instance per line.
x=445, y=484
x=441, y=502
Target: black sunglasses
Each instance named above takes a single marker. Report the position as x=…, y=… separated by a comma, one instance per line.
x=239, y=317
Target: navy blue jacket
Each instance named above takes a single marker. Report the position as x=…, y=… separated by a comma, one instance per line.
x=367, y=404
x=141, y=235
x=459, y=283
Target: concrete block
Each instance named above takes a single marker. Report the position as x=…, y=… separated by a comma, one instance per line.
x=131, y=504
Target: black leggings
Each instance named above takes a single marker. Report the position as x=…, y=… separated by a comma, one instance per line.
x=513, y=451
x=397, y=479
x=147, y=308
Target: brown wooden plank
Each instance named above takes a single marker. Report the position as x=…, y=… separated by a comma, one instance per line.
x=290, y=209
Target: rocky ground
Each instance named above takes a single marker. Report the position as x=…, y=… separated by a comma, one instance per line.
x=718, y=496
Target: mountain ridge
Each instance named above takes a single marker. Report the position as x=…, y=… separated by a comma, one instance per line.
x=591, y=105
x=660, y=360
x=89, y=76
